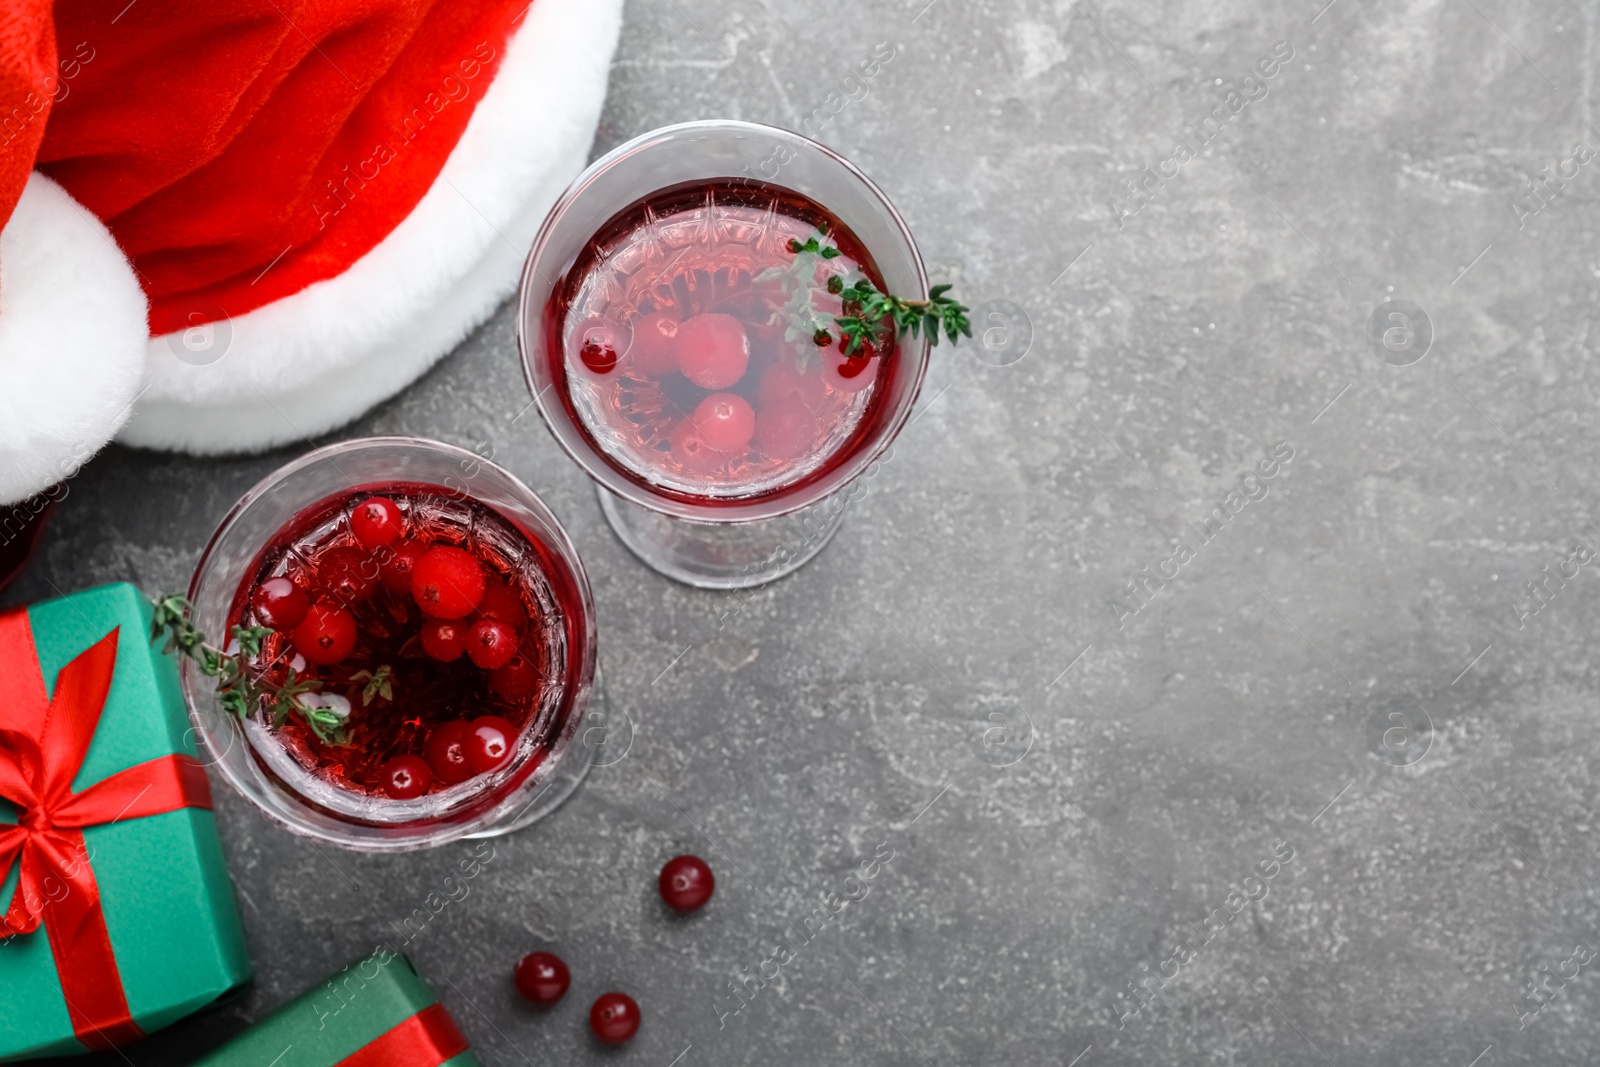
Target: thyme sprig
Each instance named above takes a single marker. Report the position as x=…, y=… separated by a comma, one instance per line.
x=237, y=691
x=798, y=279
x=380, y=683
x=872, y=307
x=910, y=316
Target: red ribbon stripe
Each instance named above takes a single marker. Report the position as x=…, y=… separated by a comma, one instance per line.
x=427, y=1039
x=43, y=742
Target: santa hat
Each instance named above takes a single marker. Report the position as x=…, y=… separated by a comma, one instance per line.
x=231, y=224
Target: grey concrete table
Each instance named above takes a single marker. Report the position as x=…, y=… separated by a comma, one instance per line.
x=1341, y=679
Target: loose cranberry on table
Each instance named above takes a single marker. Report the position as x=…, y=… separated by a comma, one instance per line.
x=444, y=639
x=447, y=582
x=406, y=777
x=326, y=635
x=491, y=644
x=726, y=422
x=489, y=743
x=516, y=681
x=347, y=573
x=396, y=564
x=614, y=1018
x=655, y=345
x=377, y=521
x=280, y=603
x=686, y=883
x=713, y=351
x=446, y=752
x=542, y=978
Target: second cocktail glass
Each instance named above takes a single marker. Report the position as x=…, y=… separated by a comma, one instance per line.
x=677, y=323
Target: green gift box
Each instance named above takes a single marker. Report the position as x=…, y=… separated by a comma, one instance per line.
x=376, y=1012
x=120, y=916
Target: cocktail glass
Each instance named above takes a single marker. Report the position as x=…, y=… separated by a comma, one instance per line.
x=542, y=770
x=714, y=540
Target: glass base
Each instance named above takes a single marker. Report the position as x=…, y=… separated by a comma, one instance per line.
x=724, y=555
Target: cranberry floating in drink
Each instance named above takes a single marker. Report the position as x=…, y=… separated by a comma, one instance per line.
x=726, y=324
x=410, y=647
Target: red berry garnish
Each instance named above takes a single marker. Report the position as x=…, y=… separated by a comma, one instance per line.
x=614, y=1018
x=279, y=603
x=377, y=521
x=446, y=751
x=783, y=382
x=502, y=604
x=516, y=681
x=598, y=345
x=326, y=635
x=490, y=740
x=686, y=883
x=691, y=450
x=655, y=349
x=713, y=351
x=447, y=582
x=849, y=374
x=444, y=639
x=491, y=643
x=396, y=563
x=726, y=422
x=406, y=777
x=347, y=573
x=785, y=429
x=542, y=978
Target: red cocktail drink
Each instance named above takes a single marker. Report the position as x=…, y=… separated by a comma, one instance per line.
x=691, y=341
x=681, y=330
x=415, y=642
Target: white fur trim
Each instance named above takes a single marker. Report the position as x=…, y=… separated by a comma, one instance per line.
x=313, y=361
x=72, y=339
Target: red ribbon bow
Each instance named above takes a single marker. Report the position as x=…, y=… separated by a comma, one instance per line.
x=43, y=741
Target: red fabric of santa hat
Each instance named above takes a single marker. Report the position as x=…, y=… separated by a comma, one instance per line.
x=238, y=223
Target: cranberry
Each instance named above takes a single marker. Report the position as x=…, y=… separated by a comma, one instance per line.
x=446, y=751
x=691, y=450
x=491, y=643
x=849, y=374
x=598, y=345
x=347, y=573
x=614, y=1018
x=502, y=604
x=726, y=422
x=785, y=429
x=542, y=978
x=326, y=635
x=447, y=582
x=396, y=563
x=489, y=743
x=444, y=639
x=713, y=351
x=280, y=603
x=406, y=777
x=655, y=353
x=377, y=521
x=516, y=681
x=783, y=383
x=686, y=883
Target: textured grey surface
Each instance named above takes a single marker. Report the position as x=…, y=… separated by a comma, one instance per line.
x=1175, y=747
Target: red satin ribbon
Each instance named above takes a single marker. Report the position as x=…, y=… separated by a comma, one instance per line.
x=427, y=1039
x=43, y=742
